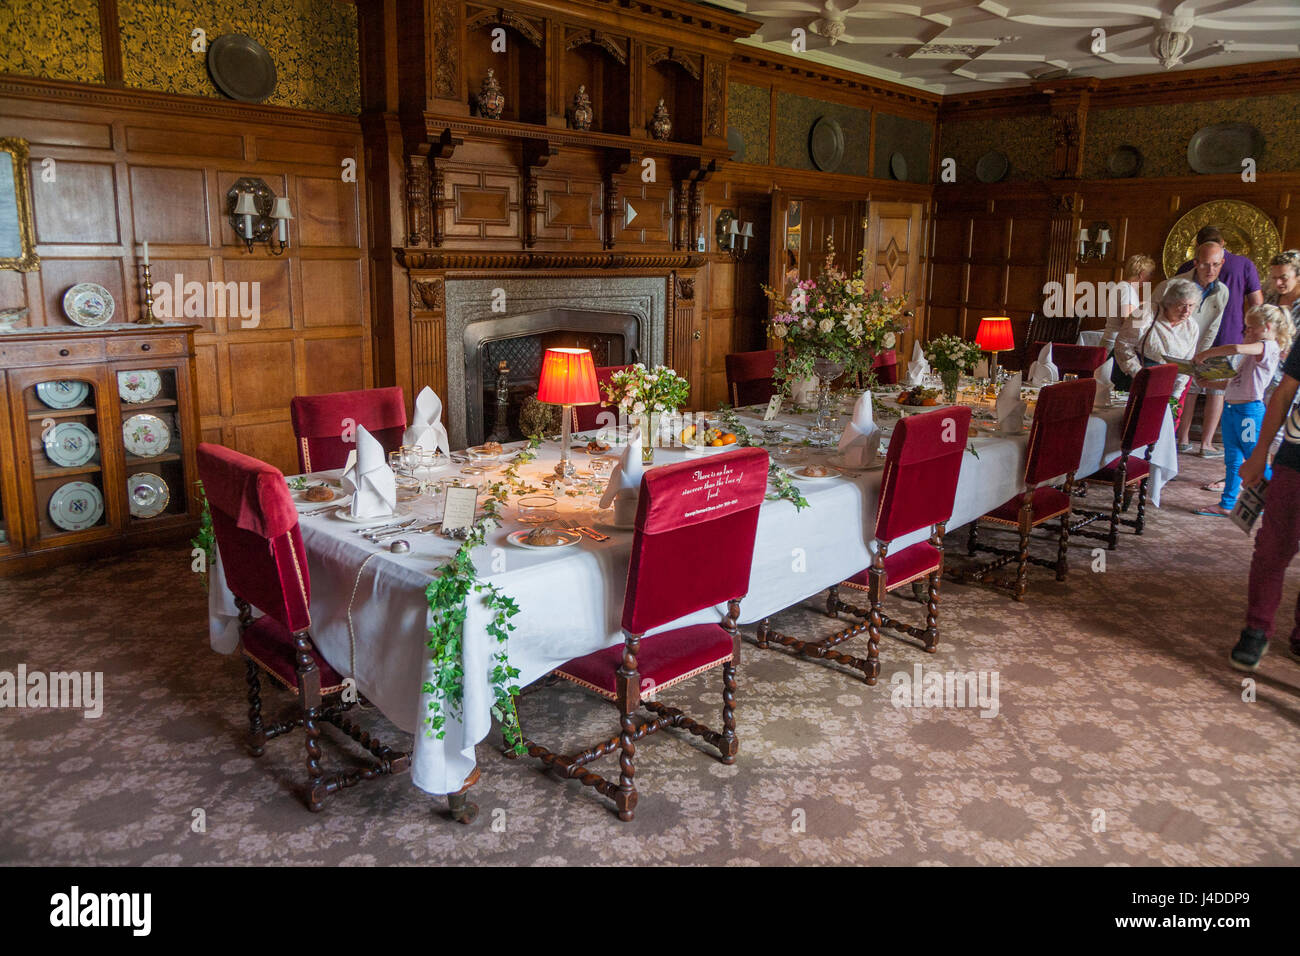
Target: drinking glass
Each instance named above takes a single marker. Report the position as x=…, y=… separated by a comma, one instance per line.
x=537, y=509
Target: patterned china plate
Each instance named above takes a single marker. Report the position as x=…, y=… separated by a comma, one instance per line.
x=147, y=495
x=76, y=506
x=88, y=304
x=70, y=444
x=146, y=436
x=139, y=385
x=517, y=538
x=67, y=393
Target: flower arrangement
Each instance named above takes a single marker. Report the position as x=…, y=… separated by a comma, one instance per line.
x=835, y=317
x=641, y=391
x=951, y=353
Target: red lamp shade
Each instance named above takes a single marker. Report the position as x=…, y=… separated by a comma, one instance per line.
x=994, y=334
x=568, y=378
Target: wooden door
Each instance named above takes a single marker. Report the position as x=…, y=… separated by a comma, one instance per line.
x=894, y=247
x=838, y=221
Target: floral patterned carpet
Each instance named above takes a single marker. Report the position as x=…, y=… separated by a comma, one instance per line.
x=1121, y=737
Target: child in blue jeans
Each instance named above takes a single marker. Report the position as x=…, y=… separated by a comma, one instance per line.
x=1268, y=333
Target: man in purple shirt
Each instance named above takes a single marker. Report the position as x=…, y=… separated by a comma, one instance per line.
x=1242, y=279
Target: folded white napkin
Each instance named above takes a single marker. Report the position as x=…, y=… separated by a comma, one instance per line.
x=624, y=486
x=371, y=482
x=426, y=430
x=860, y=442
x=804, y=391
x=1010, y=409
x=1105, y=387
x=918, y=368
x=1043, y=372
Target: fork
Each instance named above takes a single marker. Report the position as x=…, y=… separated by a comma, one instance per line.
x=406, y=529
x=367, y=532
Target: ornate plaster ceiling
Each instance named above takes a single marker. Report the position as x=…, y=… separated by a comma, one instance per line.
x=959, y=46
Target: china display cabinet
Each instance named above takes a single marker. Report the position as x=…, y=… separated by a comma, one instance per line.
x=97, y=455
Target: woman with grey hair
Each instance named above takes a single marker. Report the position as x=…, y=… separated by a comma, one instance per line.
x=1173, y=333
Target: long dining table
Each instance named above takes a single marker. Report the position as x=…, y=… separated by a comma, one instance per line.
x=370, y=614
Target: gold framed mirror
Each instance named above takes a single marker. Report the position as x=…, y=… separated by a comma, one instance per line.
x=17, y=229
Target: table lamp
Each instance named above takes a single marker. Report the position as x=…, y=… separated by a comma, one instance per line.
x=568, y=379
x=994, y=335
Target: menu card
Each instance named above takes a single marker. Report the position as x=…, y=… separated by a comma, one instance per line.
x=458, y=508
x=773, y=408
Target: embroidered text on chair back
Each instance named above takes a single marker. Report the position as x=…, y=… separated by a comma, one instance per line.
x=1147, y=402
x=320, y=421
x=921, y=470
x=694, y=540
x=1060, y=425
x=258, y=540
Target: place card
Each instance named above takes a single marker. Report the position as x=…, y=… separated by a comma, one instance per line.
x=458, y=508
x=773, y=408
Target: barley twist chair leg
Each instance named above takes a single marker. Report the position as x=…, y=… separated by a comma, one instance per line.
x=729, y=744
x=1140, y=524
x=1022, y=578
x=932, y=614
x=256, y=731
x=1062, y=559
x=971, y=540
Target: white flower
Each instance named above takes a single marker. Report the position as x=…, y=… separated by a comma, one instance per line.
x=827, y=324
x=779, y=331
x=888, y=340
x=638, y=408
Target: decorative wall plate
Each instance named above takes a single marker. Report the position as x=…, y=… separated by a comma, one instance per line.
x=146, y=436
x=9, y=318
x=147, y=495
x=898, y=167
x=70, y=444
x=76, y=506
x=992, y=167
x=88, y=304
x=139, y=385
x=826, y=144
x=1247, y=230
x=66, y=393
x=1221, y=148
x=241, y=68
x=1125, y=162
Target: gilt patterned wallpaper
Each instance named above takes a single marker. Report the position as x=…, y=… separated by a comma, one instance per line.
x=795, y=116
x=58, y=39
x=1026, y=141
x=313, y=43
x=749, y=110
x=1161, y=133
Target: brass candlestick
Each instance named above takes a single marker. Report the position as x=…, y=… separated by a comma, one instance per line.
x=147, y=317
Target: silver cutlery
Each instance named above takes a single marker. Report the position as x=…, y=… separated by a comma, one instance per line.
x=367, y=532
x=316, y=511
x=405, y=529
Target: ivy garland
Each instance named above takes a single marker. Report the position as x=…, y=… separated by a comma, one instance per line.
x=206, y=539
x=448, y=597
x=782, y=486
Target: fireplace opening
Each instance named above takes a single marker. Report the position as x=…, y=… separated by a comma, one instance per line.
x=519, y=341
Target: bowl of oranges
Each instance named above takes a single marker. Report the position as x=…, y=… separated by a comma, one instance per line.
x=703, y=440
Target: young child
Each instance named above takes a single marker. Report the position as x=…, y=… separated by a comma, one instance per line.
x=1268, y=333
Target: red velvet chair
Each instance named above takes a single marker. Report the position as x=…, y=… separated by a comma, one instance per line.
x=750, y=377
x=1143, y=418
x=885, y=367
x=1080, y=360
x=675, y=520
x=319, y=422
x=261, y=553
x=587, y=417
x=916, y=491
x=1055, y=446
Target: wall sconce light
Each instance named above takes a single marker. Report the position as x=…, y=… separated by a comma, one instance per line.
x=733, y=235
x=258, y=215
x=1093, y=242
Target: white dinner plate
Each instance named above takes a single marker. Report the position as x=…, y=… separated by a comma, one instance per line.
x=67, y=393
x=346, y=515
x=76, y=505
x=147, y=494
x=835, y=473
x=517, y=539
x=70, y=444
x=146, y=436
x=139, y=385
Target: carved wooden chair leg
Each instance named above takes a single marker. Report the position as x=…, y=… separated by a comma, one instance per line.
x=629, y=699
x=875, y=621
x=1128, y=498
x=1062, y=559
x=920, y=591
x=760, y=632
x=730, y=744
x=309, y=695
x=1142, y=508
x=932, y=614
x=1022, y=578
x=1112, y=537
x=256, y=731
x=971, y=540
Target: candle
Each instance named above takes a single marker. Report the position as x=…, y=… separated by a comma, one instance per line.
x=146, y=253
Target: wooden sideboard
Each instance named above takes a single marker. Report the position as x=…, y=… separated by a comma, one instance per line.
x=65, y=495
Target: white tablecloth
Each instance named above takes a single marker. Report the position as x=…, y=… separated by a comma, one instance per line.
x=571, y=600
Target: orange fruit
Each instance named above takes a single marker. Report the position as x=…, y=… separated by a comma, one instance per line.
x=728, y=439
x=717, y=443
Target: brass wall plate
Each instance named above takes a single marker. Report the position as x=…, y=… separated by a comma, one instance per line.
x=1246, y=229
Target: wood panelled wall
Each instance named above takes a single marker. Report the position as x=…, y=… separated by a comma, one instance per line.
x=994, y=246
x=135, y=166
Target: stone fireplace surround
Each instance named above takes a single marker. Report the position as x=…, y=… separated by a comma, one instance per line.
x=470, y=301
